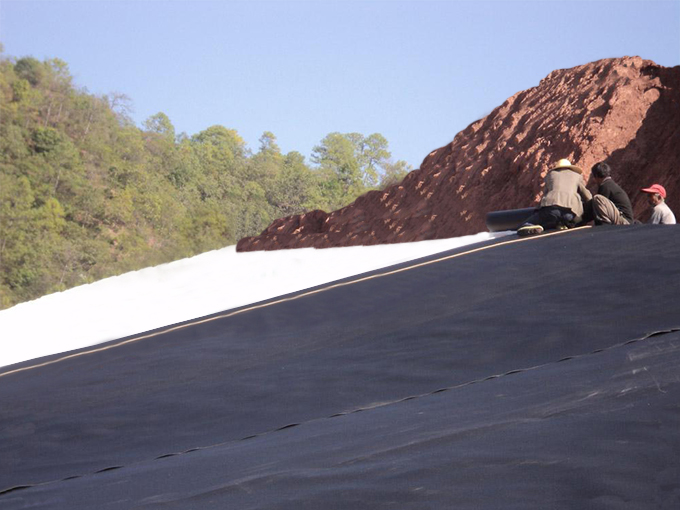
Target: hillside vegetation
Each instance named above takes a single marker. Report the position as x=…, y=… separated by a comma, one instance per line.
x=86, y=194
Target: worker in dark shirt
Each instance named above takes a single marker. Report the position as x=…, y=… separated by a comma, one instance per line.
x=610, y=205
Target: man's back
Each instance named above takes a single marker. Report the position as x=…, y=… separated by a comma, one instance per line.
x=619, y=198
x=662, y=215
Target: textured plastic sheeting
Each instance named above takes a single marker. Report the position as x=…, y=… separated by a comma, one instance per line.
x=554, y=393
x=511, y=219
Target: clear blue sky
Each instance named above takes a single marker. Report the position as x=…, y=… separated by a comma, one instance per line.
x=417, y=72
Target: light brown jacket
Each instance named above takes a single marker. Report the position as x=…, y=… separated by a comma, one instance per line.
x=564, y=187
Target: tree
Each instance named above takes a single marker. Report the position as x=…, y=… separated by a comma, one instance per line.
x=394, y=173
x=267, y=163
x=30, y=70
x=121, y=106
x=336, y=159
x=355, y=158
x=350, y=164
x=268, y=145
x=372, y=155
x=295, y=189
x=227, y=140
x=56, y=90
x=161, y=125
x=253, y=216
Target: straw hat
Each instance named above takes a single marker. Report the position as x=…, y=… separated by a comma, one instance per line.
x=565, y=163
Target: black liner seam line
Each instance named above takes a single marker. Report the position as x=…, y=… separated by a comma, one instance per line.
x=292, y=298
x=354, y=411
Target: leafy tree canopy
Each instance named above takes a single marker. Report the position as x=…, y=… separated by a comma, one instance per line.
x=86, y=194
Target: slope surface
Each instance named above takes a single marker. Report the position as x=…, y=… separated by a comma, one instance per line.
x=556, y=395
x=186, y=289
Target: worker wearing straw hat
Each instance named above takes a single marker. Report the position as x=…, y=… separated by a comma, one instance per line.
x=562, y=203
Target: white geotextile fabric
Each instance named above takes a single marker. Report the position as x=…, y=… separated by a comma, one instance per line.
x=186, y=289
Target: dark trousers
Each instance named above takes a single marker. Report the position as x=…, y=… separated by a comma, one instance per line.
x=552, y=216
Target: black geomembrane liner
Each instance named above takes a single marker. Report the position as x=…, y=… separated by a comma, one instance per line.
x=498, y=379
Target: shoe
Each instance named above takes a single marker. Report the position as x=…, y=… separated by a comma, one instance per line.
x=529, y=230
x=562, y=227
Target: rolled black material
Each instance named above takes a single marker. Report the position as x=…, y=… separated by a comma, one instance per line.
x=511, y=219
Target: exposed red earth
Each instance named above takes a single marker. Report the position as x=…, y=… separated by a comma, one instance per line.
x=625, y=111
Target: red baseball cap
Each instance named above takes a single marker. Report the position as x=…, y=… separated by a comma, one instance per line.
x=656, y=188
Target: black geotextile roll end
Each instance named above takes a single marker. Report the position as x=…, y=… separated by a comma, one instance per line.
x=511, y=219
x=532, y=373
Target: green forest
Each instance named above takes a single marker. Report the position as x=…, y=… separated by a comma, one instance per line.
x=86, y=194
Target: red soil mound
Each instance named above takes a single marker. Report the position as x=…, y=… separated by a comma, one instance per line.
x=624, y=111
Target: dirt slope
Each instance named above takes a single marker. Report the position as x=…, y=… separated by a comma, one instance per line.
x=625, y=111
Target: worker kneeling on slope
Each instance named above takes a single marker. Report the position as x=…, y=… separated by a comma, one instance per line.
x=610, y=205
x=562, y=203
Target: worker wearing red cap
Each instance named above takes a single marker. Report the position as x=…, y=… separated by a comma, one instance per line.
x=661, y=213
